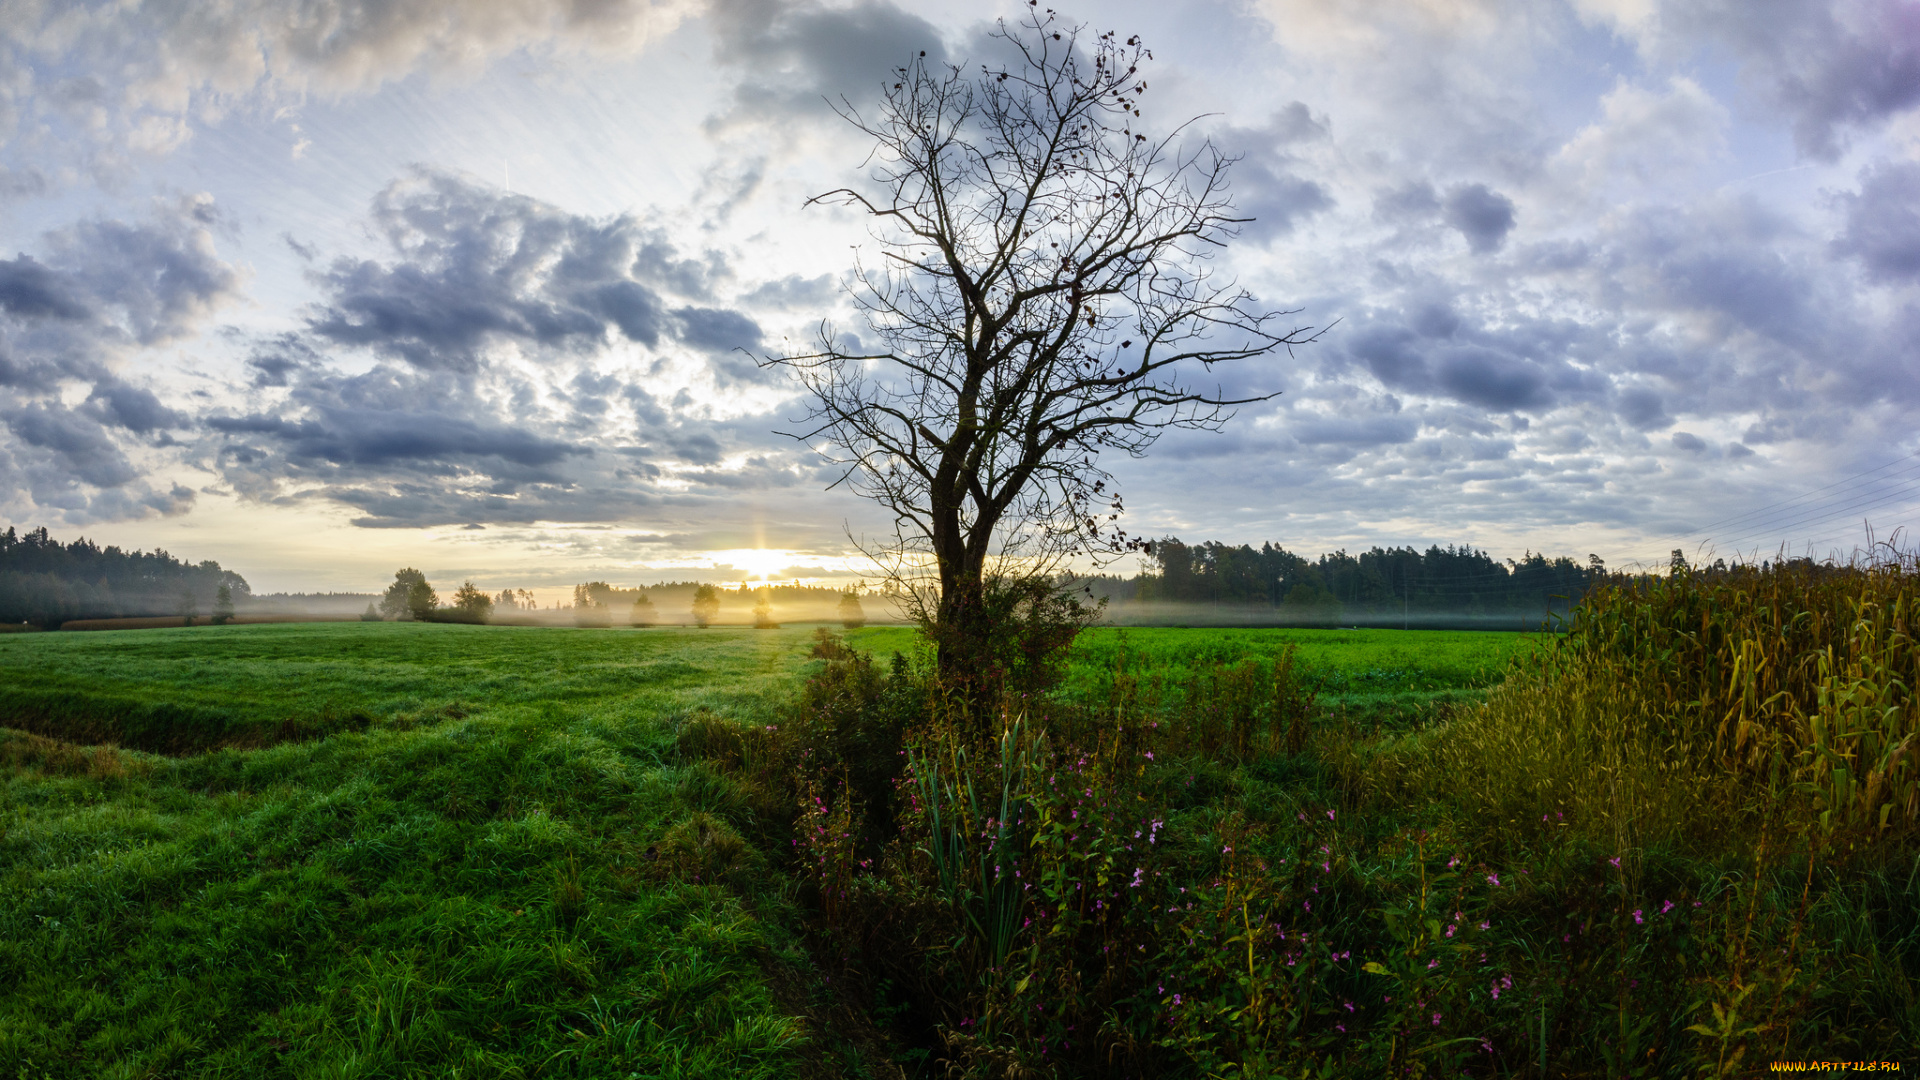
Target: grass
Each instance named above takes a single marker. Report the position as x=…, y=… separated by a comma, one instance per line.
x=462, y=887
x=386, y=849
x=347, y=849
x=1368, y=674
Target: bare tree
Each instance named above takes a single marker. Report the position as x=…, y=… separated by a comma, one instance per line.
x=1044, y=296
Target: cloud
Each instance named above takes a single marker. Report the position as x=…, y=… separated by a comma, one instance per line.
x=1482, y=215
x=475, y=268
x=101, y=90
x=1883, y=222
x=83, y=309
x=529, y=365
x=1646, y=137
x=797, y=54
x=1268, y=185
x=1836, y=69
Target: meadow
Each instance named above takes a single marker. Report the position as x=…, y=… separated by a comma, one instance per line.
x=398, y=849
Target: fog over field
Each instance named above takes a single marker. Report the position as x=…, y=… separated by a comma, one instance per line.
x=321, y=291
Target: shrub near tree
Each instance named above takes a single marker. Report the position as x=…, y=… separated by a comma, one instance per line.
x=223, y=605
x=643, y=613
x=706, y=605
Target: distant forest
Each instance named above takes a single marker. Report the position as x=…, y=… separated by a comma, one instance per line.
x=46, y=582
x=1453, y=580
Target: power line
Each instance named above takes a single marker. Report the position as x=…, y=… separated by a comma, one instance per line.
x=1786, y=514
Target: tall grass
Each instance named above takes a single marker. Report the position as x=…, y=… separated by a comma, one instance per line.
x=1679, y=841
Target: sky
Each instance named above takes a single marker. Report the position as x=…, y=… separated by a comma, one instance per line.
x=322, y=288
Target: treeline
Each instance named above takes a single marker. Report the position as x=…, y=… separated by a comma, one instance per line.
x=45, y=582
x=1453, y=580
x=677, y=596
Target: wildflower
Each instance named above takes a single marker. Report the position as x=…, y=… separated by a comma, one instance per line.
x=1329, y=815
x=1431, y=964
x=1453, y=862
x=1349, y=1006
x=1308, y=904
x=1176, y=999
x=1342, y=1028
x=1486, y=925
x=1450, y=929
x=1496, y=991
x=1436, y=1019
x=1615, y=861
x=1637, y=920
x=1666, y=907
x=1493, y=880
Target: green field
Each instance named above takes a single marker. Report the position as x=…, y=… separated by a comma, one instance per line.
x=440, y=850
x=423, y=849
x=460, y=888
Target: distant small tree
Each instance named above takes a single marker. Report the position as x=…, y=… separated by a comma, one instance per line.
x=763, y=610
x=472, y=602
x=421, y=600
x=706, y=605
x=189, y=606
x=223, y=605
x=393, y=604
x=852, y=615
x=643, y=613
x=372, y=614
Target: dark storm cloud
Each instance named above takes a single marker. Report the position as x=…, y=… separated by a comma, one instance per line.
x=1883, y=222
x=30, y=290
x=78, y=442
x=134, y=408
x=475, y=268
x=795, y=54
x=1431, y=350
x=1492, y=379
x=1482, y=215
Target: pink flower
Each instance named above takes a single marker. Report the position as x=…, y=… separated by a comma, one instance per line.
x=1666, y=907
x=1493, y=880
x=1436, y=1019
x=1637, y=920
x=1615, y=861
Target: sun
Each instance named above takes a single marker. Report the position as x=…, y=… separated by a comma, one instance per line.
x=757, y=562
